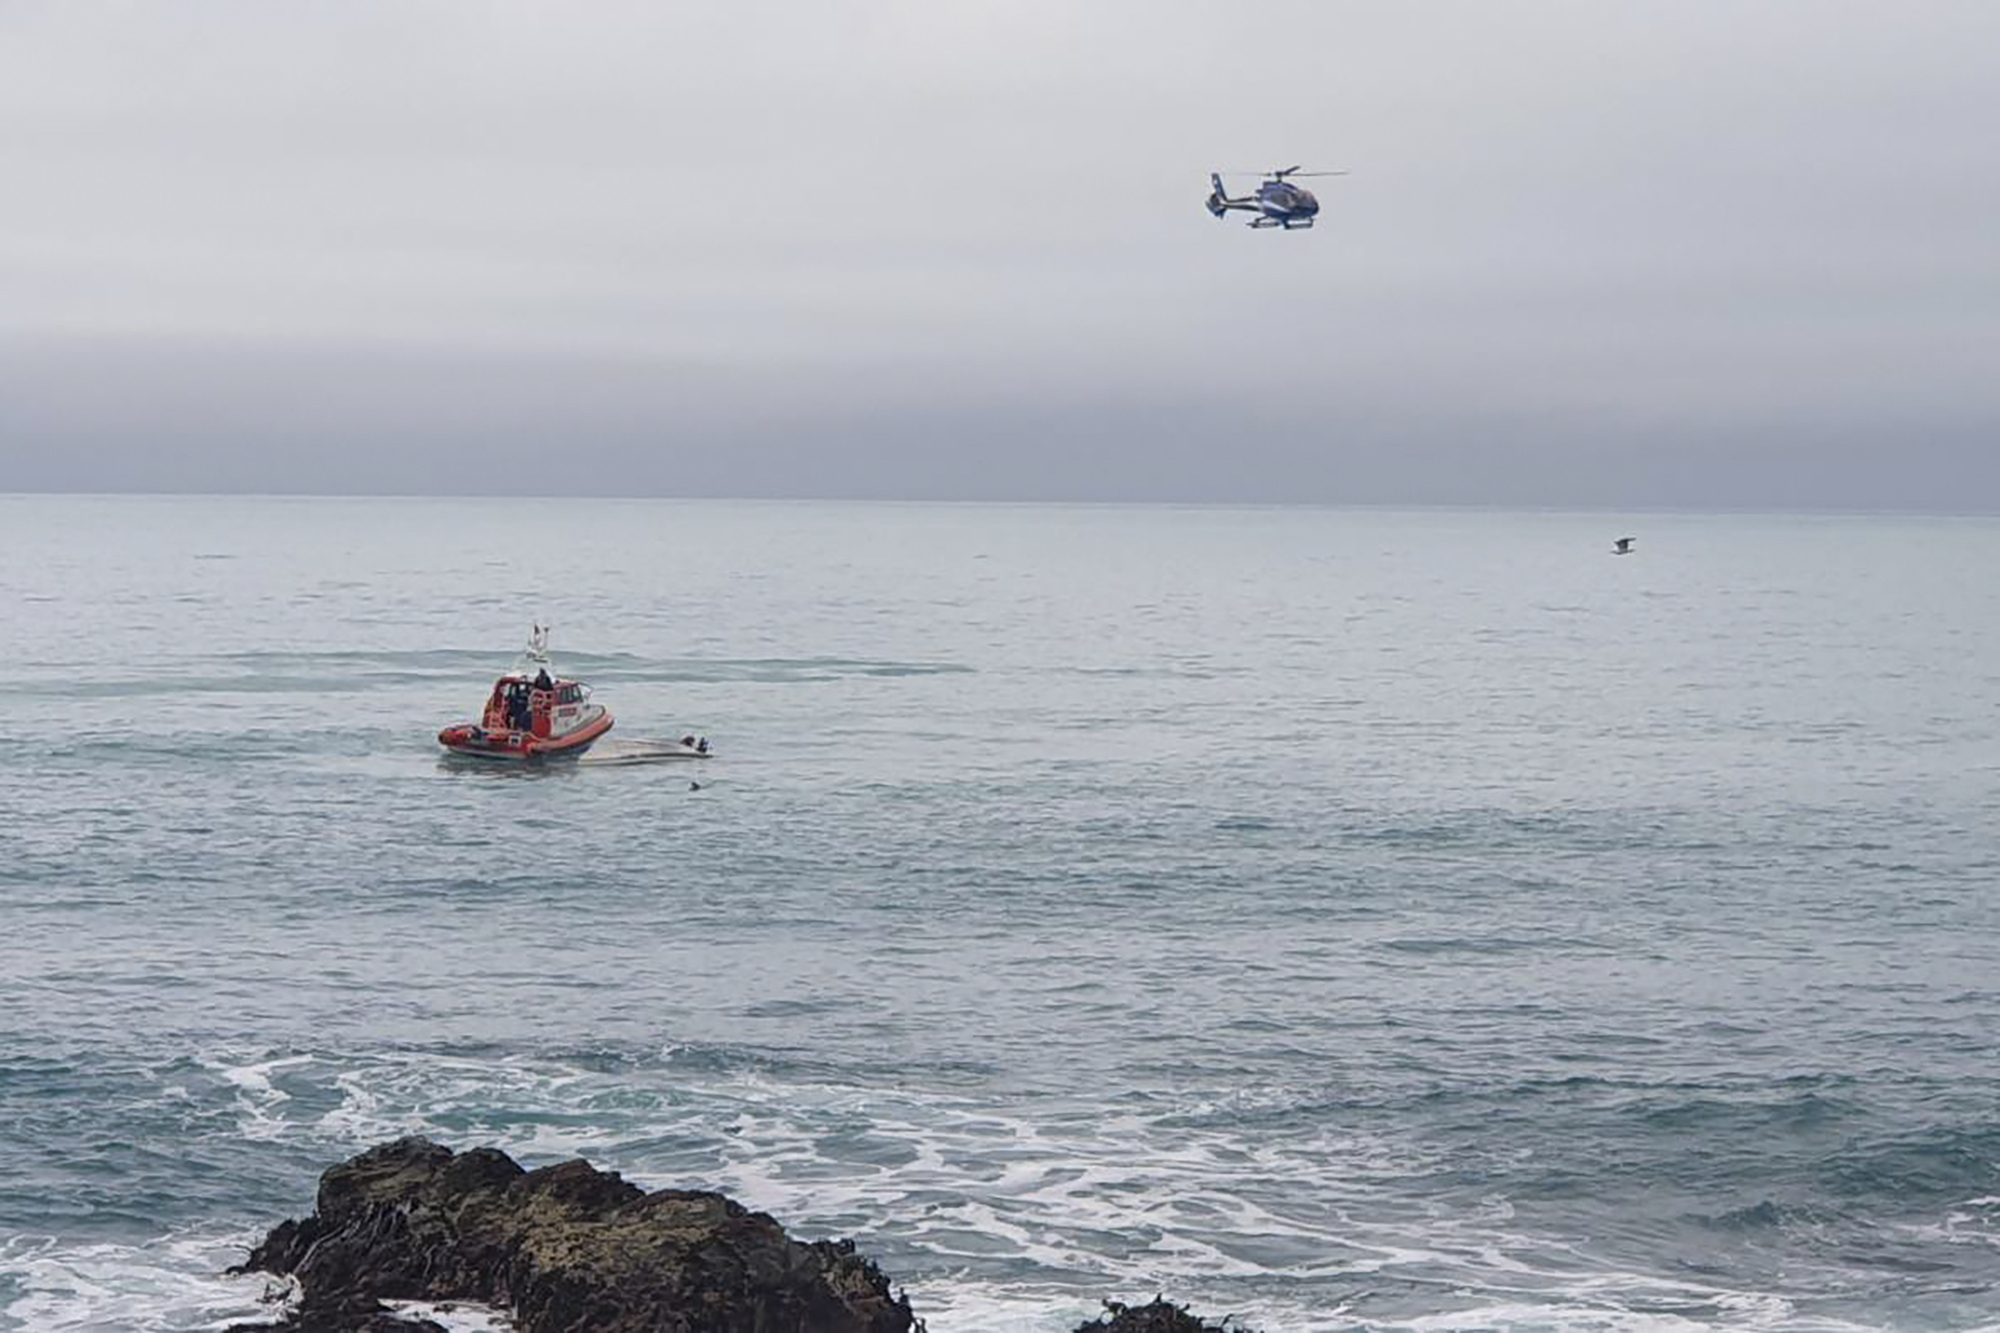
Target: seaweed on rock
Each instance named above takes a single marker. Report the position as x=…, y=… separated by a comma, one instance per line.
x=1156, y=1316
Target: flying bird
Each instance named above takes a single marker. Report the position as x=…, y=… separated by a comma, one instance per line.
x=1623, y=546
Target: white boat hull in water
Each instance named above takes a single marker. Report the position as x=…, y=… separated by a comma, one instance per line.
x=607, y=753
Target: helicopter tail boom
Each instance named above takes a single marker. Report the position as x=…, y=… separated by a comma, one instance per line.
x=1219, y=201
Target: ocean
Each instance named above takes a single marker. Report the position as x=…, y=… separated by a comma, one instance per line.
x=1340, y=919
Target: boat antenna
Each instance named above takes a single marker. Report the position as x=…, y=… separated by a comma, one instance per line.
x=536, y=654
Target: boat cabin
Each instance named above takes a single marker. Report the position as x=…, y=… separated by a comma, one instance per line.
x=542, y=706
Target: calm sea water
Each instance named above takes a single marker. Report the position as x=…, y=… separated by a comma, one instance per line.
x=1348, y=920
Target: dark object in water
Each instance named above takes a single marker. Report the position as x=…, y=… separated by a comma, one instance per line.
x=1156, y=1316
x=565, y=1248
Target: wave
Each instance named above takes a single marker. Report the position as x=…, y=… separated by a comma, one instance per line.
x=338, y=673
x=1488, y=944
x=1748, y=1114
x=1285, y=1205
x=1952, y=1162
x=1768, y=1215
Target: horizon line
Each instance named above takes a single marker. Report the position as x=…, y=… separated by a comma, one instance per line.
x=1393, y=506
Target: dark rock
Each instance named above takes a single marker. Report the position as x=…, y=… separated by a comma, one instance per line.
x=1157, y=1316
x=568, y=1249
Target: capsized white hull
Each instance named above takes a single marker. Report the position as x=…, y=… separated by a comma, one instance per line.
x=607, y=753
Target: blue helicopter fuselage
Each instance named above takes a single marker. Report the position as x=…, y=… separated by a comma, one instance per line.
x=1277, y=203
x=1282, y=200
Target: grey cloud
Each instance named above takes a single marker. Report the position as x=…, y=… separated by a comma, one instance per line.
x=1686, y=254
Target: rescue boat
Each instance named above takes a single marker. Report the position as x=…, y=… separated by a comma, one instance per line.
x=532, y=714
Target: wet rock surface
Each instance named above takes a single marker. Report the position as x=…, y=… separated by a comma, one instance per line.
x=565, y=1249
x=1156, y=1316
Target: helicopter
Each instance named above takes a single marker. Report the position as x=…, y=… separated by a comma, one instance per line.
x=1277, y=203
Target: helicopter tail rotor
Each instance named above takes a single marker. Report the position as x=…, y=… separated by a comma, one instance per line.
x=1217, y=196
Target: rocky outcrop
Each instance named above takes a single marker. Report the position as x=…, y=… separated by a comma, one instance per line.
x=1157, y=1316
x=566, y=1249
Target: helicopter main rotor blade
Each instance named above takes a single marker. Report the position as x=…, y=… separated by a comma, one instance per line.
x=1269, y=176
x=1280, y=175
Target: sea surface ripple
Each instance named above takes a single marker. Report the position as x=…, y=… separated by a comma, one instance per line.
x=1349, y=920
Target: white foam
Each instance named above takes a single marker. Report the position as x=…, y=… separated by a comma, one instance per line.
x=456, y=1316
x=999, y=1221
x=170, y=1287
x=258, y=1100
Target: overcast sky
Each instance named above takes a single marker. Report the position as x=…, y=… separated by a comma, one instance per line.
x=1680, y=253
